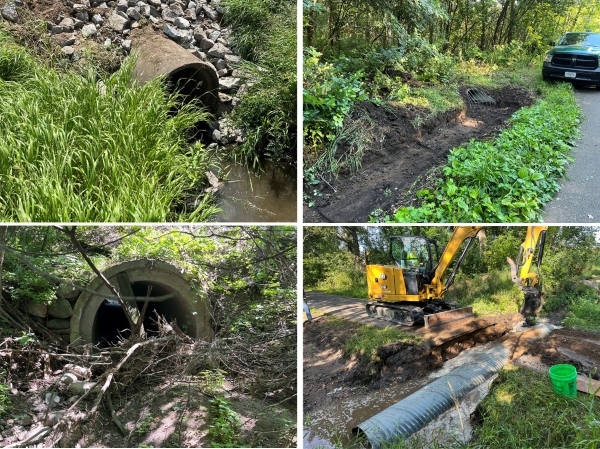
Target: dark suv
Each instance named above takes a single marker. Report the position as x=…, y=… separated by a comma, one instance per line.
x=575, y=59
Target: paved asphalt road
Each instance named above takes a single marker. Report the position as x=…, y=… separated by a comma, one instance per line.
x=578, y=201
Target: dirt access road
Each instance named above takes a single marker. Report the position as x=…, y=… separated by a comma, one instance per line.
x=399, y=155
x=579, y=198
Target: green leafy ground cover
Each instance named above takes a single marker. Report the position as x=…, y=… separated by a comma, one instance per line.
x=91, y=149
x=510, y=178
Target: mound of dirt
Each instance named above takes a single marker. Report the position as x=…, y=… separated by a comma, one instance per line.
x=326, y=370
x=399, y=154
x=578, y=348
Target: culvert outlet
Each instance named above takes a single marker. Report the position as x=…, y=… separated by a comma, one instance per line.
x=412, y=413
x=100, y=320
x=184, y=72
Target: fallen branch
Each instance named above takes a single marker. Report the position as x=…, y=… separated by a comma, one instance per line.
x=114, y=416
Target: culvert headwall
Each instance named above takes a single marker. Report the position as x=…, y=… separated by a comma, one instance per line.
x=98, y=320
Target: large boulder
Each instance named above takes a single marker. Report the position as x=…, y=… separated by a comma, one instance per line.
x=58, y=323
x=9, y=12
x=60, y=308
x=35, y=309
x=118, y=22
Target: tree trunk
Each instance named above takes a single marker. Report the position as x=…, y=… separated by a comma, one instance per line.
x=350, y=238
x=500, y=22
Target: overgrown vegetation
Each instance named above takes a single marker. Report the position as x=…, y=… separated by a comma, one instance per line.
x=264, y=31
x=249, y=277
x=226, y=424
x=4, y=399
x=508, y=179
x=95, y=148
x=415, y=57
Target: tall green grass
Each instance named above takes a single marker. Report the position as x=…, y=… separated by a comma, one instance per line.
x=522, y=411
x=584, y=313
x=368, y=339
x=5, y=404
x=82, y=148
x=345, y=282
x=491, y=294
x=264, y=32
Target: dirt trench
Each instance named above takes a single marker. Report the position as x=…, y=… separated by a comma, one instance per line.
x=340, y=392
x=398, y=155
x=327, y=370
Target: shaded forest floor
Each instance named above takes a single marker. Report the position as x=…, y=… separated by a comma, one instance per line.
x=159, y=396
x=402, y=158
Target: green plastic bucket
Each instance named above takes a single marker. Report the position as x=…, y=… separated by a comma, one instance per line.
x=564, y=379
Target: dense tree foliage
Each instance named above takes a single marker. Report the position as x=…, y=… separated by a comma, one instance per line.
x=334, y=27
x=330, y=263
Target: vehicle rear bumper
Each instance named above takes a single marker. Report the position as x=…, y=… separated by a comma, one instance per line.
x=582, y=76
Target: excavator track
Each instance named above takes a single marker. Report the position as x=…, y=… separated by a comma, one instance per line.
x=431, y=315
x=405, y=315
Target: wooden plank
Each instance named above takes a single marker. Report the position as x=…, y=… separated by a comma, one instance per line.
x=437, y=319
x=588, y=386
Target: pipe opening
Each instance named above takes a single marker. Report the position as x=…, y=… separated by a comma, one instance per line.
x=110, y=323
x=193, y=83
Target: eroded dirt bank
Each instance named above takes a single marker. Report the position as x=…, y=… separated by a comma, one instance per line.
x=399, y=154
x=326, y=370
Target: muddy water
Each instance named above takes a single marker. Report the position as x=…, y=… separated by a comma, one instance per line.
x=332, y=426
x=254, y=196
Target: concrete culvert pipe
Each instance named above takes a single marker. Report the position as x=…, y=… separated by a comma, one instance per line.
x=98, y=320
x=185, y=73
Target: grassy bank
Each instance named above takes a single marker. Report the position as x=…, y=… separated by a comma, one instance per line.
x=490, y=294
x=94, y=148
x=523, y=411
x=264, y=32
x=364, y=340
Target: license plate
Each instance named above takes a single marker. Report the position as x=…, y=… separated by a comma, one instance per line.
x=570, y=74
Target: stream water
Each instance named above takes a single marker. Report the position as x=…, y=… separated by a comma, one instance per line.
x=259, y=196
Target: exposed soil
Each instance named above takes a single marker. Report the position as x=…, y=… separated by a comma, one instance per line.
x=578, y=348
x=326, y=370
x=399, y=155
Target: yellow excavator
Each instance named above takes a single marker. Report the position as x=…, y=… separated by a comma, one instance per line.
x=411, y=291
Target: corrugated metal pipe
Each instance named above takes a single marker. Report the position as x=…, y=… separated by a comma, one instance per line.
x=415, y=411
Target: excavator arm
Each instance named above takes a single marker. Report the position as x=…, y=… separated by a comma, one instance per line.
x=522, y=274
x=460, y=234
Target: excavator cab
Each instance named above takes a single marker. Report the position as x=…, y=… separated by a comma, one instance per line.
x=417, y=256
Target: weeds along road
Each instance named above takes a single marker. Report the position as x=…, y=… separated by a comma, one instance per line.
x=578, y=200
